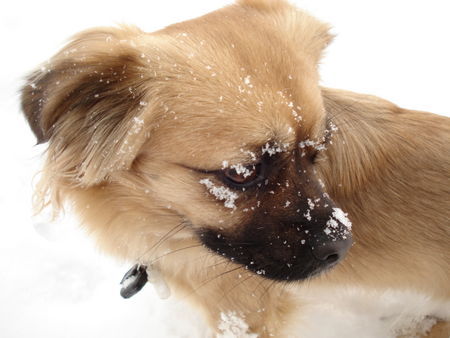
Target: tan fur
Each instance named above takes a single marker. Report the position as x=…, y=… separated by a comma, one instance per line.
x=440, y=330
x=129, y=116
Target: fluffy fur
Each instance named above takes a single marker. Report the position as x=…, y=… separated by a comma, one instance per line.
x=135, y=120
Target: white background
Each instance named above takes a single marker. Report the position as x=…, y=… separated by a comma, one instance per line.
x=53, y=282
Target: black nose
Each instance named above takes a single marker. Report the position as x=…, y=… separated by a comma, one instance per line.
x=331, y=252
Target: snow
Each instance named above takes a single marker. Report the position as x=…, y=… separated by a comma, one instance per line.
x=232, y=326
x=249, y=153
x=274, y=149
x=318, y=145
x=353, y=312
x=137, y=126
x=221, y=193
x=296, y=115
x=307, y=215
x=247, y=81
x=54, y=282
x=332, y=224
x=61, y=286
x=240, y=169
x=342, y=217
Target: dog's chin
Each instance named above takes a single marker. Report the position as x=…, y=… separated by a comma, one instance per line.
x=274, y=261
x=293, y=272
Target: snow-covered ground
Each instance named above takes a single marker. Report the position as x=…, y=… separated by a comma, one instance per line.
x=53, y=282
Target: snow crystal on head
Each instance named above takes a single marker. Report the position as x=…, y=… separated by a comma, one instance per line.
x=247, y=81
x=240, y=169
x=320, y=144
x=249, y=153
x=295, y=109
x=307, y=215
x=332, y=224
x=296, y=115
x=221, y=193
x=138, y=124
x=342, y=217
x=274, y=149
x=232, y=326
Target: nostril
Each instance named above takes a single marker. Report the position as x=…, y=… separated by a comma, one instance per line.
x=332, y=258
x=331, y=252
x=325, y=253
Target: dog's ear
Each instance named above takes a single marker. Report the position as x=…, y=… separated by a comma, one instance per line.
x=88, y=103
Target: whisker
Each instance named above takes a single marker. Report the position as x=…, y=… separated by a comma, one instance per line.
x=174, y=251
x=266, y=291
x=170, y=233
x=202, y=284
x=241, y=281
x=262, y=281
x=212, y=266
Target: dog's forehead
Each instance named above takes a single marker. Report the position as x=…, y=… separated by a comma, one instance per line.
x=232, y=122
x=233, y=107
x=229, y=92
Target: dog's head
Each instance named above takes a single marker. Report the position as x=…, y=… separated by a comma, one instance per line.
x=213, y=123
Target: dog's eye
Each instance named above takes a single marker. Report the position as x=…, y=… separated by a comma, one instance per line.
x=241, y=176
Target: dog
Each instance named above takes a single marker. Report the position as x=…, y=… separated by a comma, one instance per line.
x=209, y=152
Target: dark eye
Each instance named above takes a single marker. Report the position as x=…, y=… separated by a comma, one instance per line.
x=243, y=176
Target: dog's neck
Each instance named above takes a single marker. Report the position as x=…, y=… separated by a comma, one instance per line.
x=222, y=288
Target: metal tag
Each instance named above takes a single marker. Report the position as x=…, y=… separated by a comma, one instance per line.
x=133, y=281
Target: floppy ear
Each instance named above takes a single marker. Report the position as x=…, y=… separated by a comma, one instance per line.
x=89, y=102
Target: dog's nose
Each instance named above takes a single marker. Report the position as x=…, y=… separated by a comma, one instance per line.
x=331, y=252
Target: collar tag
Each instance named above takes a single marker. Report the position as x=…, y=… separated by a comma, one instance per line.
x=133, y=281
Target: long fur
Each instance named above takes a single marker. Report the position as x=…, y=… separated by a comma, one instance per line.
x=130, y=116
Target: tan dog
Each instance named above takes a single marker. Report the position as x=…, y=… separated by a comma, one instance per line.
x=208, y=151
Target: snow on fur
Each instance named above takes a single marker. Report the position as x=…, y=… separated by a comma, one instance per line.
x=221, y=193
x=231, y=326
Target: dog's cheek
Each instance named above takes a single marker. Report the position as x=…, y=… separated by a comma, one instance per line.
x=178, y=190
